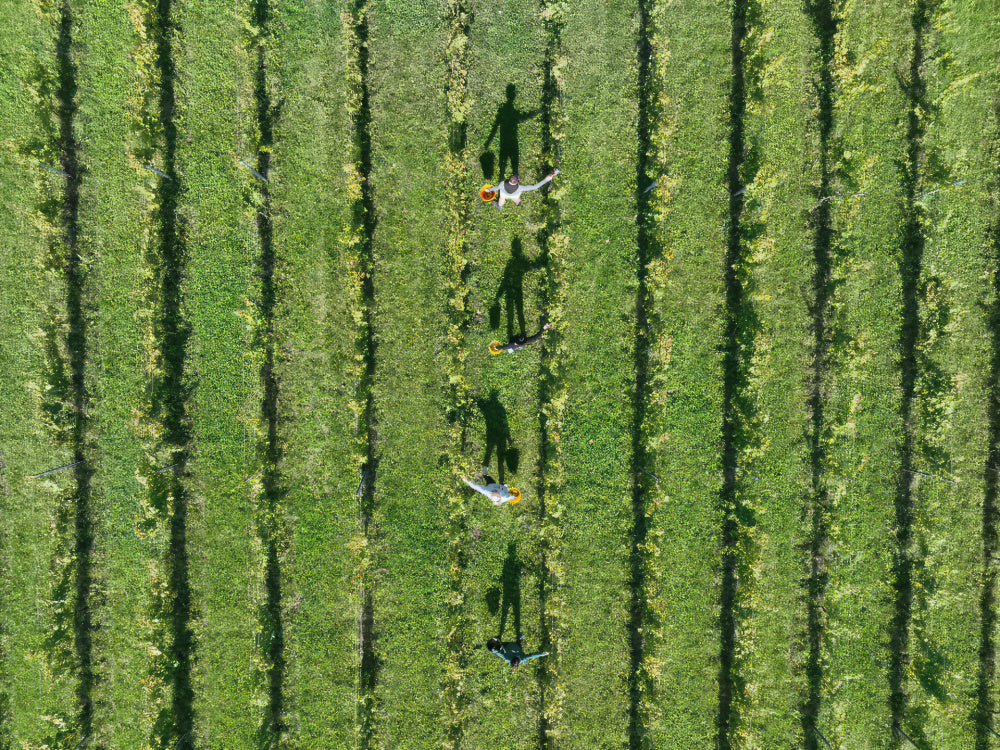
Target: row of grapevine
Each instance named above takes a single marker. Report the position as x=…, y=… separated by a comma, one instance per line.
x=457, y=402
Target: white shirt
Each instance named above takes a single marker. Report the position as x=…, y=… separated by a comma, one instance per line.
x=488, y=490
x=502, y=187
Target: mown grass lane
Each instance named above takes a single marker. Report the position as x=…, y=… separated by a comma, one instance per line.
x=408, y=147
x=695, y=79
x=315, y=368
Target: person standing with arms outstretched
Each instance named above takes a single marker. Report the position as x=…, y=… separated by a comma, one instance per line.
x=512, y=653
x=511, y=189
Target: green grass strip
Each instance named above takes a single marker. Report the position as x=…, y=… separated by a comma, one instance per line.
x=113, y=225
x=319, y=612
x=597, y=270
x=782, y=146
x=506, y=275
x=411, y=512
x=696, y=75
x=29, y=691
x=863, y=409
x=226, y=562
x=506, y=571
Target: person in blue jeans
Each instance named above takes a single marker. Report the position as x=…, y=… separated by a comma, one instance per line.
x=512, y=653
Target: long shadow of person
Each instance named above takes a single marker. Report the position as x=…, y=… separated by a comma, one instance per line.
x=506, y=598
x=497, y=435
x=505, y=125
x=512, y=289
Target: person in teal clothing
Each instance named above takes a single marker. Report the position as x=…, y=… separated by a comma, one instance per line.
x=512, y=653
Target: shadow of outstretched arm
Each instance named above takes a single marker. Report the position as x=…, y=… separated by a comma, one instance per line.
x=495, y=129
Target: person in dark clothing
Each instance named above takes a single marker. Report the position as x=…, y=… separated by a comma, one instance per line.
x=517, y=342
x=512, y=653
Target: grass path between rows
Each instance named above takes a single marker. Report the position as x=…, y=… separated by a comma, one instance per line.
x=864, y=401
x=697, y=76
x=783, y=145
x=26, y=689
x=319, y=607
x=409, y=141
x=225, y=562
x=504, y=283
x=112, y=220
x=599, y=160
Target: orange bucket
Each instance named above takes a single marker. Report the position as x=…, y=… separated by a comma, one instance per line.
x=488, y=193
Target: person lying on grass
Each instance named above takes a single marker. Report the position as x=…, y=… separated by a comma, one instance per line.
x=512, y=653
x=498, y=494
x=511, y=189
x=518, y=342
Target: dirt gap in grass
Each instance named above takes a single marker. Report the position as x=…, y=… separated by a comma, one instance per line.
x=642, y=622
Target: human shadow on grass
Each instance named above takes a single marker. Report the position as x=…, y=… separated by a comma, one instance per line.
x=504, y=127
x=498, y=438
x=506, y=597
x=511, y=289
